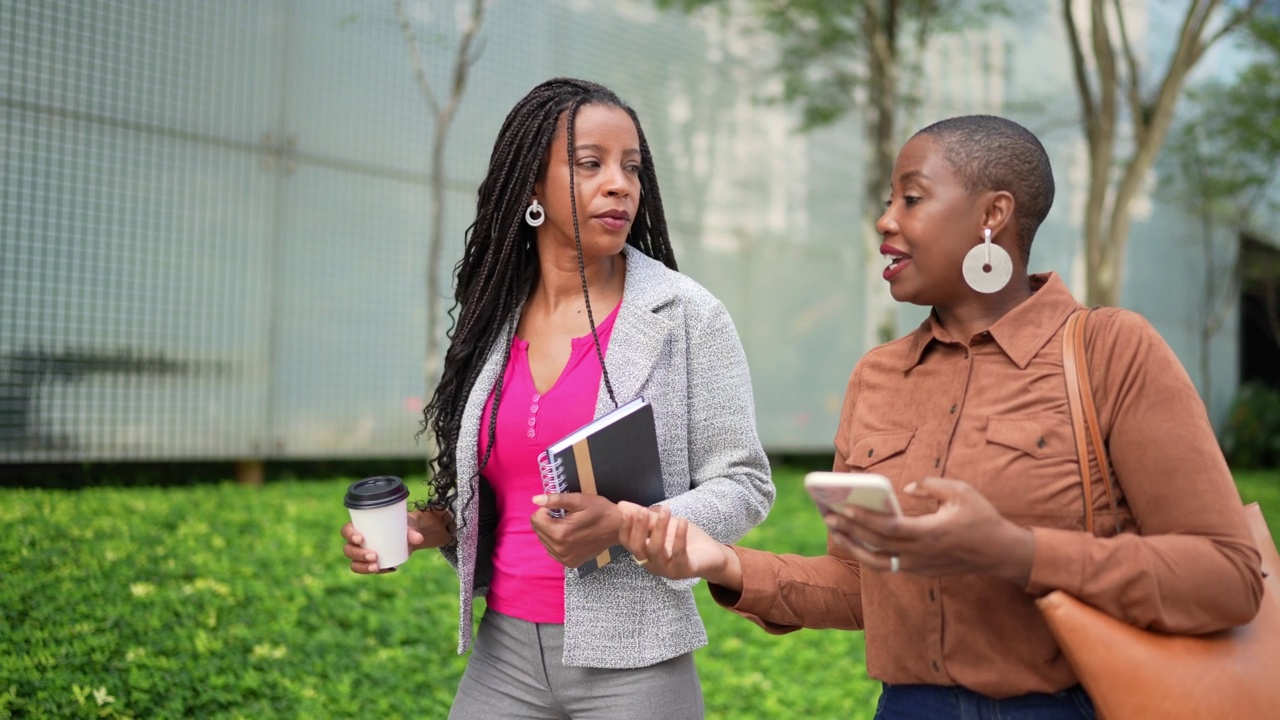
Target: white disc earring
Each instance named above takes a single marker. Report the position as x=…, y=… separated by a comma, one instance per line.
x=987, y=267
x=534, y=215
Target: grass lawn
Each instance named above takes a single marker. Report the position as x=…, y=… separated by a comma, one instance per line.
x=1262, y=486
x=223, y=601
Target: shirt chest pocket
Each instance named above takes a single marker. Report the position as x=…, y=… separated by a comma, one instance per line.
x=881, y=452
x=1041, y=435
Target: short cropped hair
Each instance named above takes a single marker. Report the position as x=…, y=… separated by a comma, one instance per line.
x=993, y=153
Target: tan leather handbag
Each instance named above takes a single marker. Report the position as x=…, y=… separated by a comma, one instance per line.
x=1134, y=673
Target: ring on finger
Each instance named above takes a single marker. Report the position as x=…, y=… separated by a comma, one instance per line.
x=894, y=565
x=642, y=561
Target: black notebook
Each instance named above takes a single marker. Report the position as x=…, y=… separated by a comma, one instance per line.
x=615, y=455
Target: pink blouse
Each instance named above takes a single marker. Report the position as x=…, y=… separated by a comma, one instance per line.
x=527, y=583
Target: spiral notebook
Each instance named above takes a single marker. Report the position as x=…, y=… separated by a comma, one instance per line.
x=615, y=455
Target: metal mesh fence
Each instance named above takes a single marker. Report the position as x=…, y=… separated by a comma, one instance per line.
x=214, y=215
x=134, y=221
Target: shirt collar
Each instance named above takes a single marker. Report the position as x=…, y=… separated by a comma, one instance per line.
x=1021, y=333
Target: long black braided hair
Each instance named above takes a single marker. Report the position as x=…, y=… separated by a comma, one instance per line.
x=499, y=265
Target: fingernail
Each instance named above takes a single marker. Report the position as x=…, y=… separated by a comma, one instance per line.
x=539, y=499
x=911, y=487
x=370, y=557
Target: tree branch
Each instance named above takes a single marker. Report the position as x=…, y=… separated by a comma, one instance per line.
x=1132, y=92
x=443, y=116
x=1242, y=16
x=1087, y=100
x=1159, y=119
x=464, y=59
x=1191, y=33
x=1104, y=56
x=1102, y=154
x=415, y=58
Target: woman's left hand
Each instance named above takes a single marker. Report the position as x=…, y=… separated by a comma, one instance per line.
x=966, y=534
x=589, y=526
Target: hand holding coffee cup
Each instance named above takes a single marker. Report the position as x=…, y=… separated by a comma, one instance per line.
x=378, y=534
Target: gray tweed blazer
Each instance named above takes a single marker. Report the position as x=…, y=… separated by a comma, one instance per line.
x=675, y=344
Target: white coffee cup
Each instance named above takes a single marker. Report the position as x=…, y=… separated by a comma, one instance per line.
x=380, y=513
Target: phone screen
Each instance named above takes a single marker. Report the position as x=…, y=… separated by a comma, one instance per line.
x=866, y=490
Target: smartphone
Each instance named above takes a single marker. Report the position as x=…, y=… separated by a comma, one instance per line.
x=831, y=490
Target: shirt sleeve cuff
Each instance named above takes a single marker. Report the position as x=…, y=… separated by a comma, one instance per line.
x=1057, y=561
x=759, y=584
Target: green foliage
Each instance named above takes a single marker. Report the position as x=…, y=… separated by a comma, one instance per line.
x=825, y=48
x=1263, y=487
x=747, y=673
x=1252, y=439
x=230, y=601
x=217, y=601
x=1227, y=150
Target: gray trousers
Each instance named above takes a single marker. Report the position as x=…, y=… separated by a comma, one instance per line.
x=516, y=671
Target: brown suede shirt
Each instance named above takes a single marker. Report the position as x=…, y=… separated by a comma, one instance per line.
x=993, y=412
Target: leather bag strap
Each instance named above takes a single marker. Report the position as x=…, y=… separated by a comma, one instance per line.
x=1084, y=415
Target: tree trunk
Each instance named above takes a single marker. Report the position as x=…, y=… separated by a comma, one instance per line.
x=1101, y=78
x=435, y=248
x=882, y=137
x=249, y=472
x=443, y=116
x=1270, y=293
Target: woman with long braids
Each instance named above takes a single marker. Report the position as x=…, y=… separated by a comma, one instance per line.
x=568, y=305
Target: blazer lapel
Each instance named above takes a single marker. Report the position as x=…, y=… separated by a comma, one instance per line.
x=639, y=332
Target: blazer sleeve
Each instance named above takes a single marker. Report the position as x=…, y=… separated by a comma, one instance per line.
x=731, y=490
x=1191, y=567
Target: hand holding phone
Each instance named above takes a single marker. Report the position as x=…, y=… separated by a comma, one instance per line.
x=869, y=491
x=832, y=490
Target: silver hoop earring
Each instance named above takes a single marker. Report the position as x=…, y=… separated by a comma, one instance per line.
x=987, y=267
x=534, y=215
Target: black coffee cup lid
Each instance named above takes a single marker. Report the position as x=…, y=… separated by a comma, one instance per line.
x=375, y=492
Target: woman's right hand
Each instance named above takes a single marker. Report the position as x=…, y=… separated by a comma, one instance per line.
x=427, y=529
x=675, y=548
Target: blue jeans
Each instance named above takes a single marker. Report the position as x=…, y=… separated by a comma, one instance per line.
x=932, y=702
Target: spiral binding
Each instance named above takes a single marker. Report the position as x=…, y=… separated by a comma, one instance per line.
x=552, y=472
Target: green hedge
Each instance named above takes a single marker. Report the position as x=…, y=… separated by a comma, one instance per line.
x=235, y=602
x=1252, y=437
x=229, y=601
x=214, y=601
